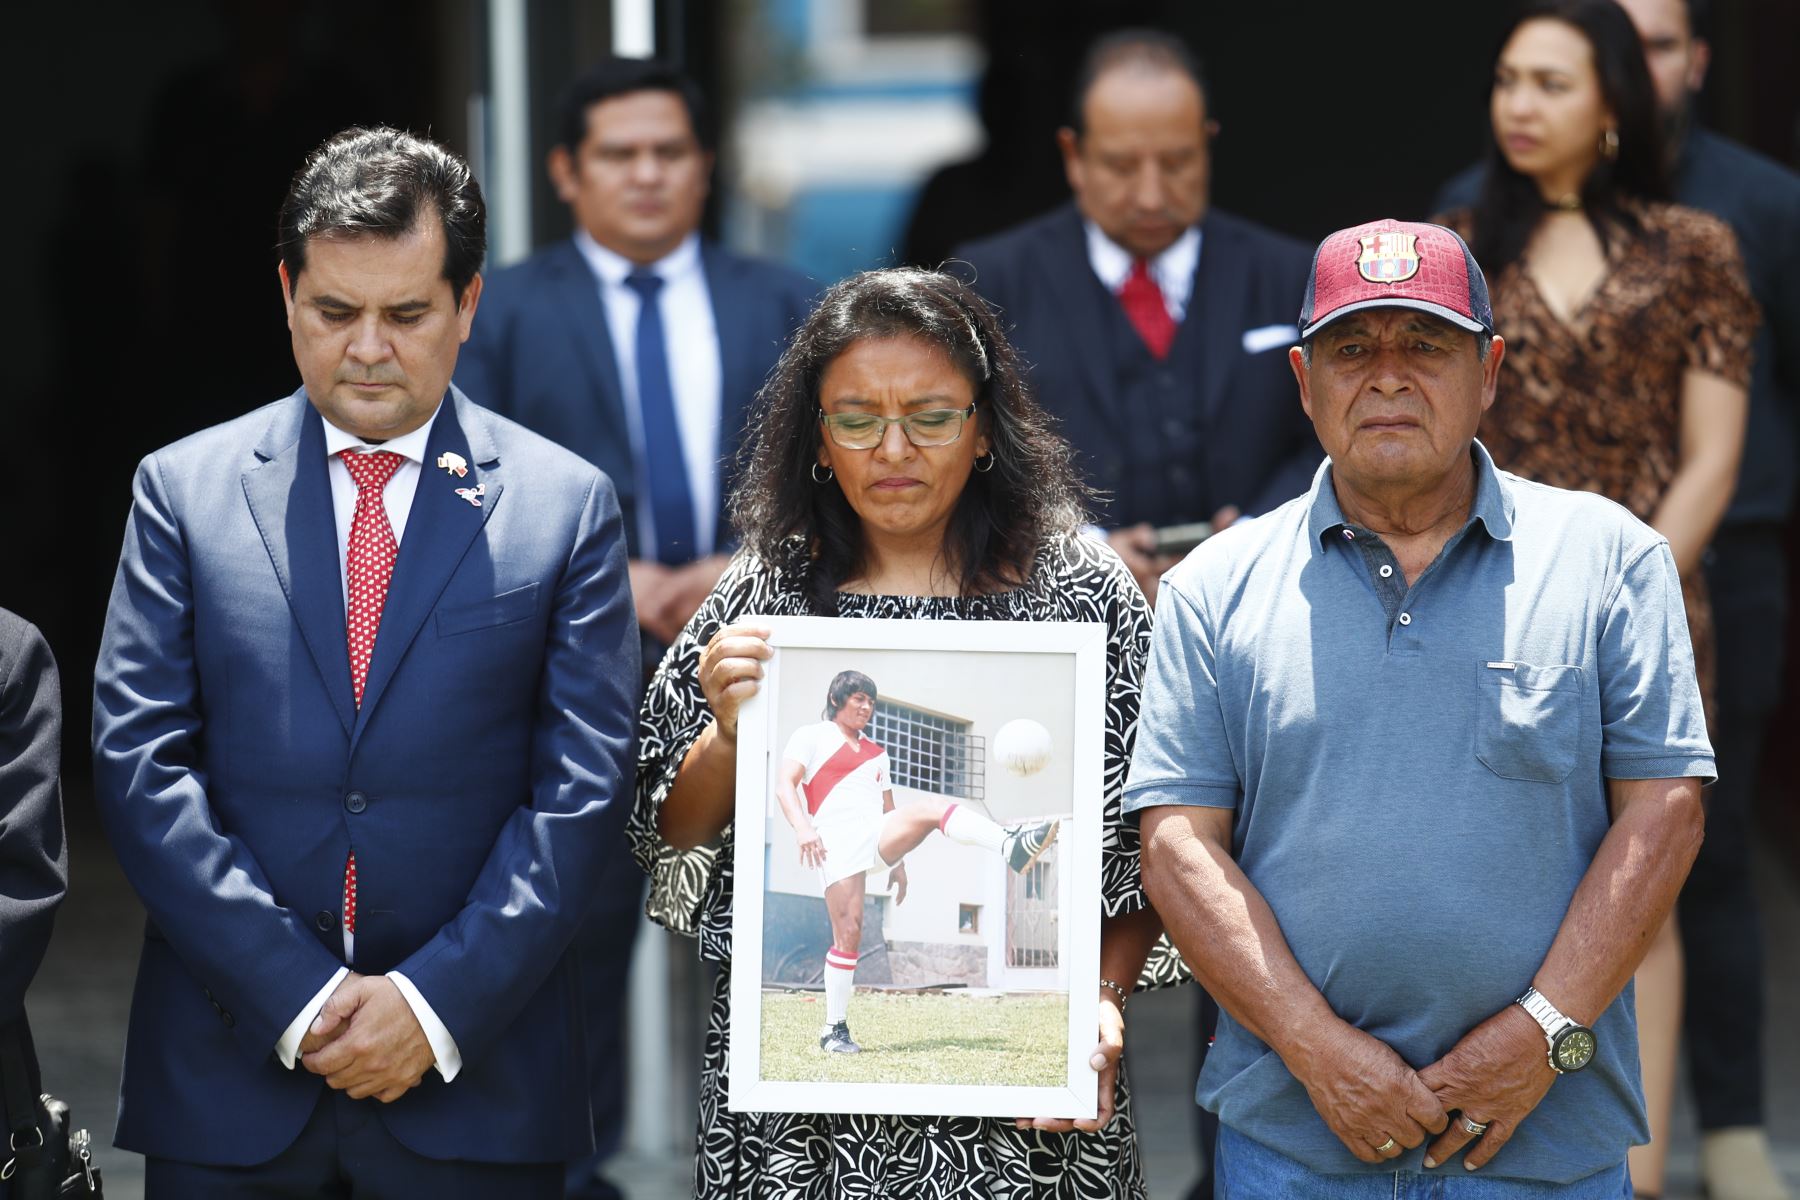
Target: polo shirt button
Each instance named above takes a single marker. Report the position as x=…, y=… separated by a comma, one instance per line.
x=356, y=802
x=1406, y=618
x=1386, y=571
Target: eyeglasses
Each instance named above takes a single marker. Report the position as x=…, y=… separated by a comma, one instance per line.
x=864, y=431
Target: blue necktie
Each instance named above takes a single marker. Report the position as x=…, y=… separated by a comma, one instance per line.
x=671, y=502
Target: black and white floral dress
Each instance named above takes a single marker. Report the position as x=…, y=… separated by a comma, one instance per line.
x=826, y=1157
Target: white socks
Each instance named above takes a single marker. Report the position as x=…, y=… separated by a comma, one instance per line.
x=971, y=829
x=840, y=975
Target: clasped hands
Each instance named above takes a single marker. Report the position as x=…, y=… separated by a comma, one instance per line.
x=366, y=1041
x=1379, y=1106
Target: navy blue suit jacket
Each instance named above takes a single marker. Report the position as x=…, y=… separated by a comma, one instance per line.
x=1256, y=448
x=478, y=783
x=540, y=353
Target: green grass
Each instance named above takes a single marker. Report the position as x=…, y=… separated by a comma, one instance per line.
x=956, y=1038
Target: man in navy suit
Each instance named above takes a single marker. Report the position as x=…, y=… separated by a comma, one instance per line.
x=639, y=345
x=568, y=340
x=1154, y=324
x=363, y=722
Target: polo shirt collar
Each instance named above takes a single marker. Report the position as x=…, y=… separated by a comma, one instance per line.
x=1492, y=506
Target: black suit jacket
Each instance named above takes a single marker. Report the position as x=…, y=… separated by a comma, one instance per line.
x=540, y=353
x=34, y=862
x=1252, y=444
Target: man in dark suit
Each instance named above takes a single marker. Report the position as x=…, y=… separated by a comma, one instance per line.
x=1154, y=324
x=639, y=345
x=34, y=861
x=1747, y=576
x=363, y=726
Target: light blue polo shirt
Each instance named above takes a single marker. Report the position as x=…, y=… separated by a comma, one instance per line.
x=1419, y=775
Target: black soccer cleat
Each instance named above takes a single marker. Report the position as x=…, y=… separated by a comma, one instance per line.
x=1025, y=844
x=836, y=1040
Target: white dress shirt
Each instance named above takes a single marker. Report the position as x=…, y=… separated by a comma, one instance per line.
x=1173, y=269
x=691, y=338
x=396, y=498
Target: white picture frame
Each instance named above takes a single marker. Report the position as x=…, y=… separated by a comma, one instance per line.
x=1013, y=1043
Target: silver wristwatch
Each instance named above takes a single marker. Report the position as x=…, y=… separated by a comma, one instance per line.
x=1571, y=1043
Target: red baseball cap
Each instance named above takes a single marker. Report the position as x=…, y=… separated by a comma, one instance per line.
x=1396, y=264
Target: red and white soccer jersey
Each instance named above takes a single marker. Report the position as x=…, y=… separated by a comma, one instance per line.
x=843, y=786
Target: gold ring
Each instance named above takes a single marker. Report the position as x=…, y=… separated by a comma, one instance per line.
x=1473, y=1128
x=1385, y=1146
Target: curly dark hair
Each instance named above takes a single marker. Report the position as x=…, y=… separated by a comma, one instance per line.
x=1003, y=516
x=1510, y=207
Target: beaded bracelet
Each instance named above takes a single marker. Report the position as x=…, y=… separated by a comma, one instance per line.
x=1116, y=990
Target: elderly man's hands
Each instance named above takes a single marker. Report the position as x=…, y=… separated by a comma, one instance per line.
x=1495, y=1075
x=1367, y=1094
x=366, y=1041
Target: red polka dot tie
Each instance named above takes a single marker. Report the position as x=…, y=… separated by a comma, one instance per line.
x=369, y=566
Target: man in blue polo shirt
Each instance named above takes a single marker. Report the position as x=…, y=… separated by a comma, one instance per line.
x=1419, y=768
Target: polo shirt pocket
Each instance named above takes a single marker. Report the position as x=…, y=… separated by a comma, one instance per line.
x=1528, y=720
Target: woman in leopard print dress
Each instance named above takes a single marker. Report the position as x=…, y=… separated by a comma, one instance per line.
x=982, y=526
x=1628, y=324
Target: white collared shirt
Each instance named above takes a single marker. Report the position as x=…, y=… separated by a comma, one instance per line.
x=1173, y=269
x=396, y=498
x=696, y=376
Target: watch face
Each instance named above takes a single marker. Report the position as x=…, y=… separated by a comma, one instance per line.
x=1575, y=1049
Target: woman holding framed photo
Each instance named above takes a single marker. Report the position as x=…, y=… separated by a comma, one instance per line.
x=897, y=467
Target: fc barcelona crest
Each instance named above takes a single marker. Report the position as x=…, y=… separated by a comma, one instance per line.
x=1388, y=257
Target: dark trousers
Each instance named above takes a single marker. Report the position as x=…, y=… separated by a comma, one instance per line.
x=344, y=1152
x=1721, y=930
x=603, y=945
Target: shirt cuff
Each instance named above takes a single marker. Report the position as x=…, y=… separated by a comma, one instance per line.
x=288, y=1048
x=443, y=1046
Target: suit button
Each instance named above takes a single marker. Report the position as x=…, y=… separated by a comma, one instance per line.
x=356, y=802
x=230, y=1021
x=325, y=920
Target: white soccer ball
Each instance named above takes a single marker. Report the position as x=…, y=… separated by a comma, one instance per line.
x=1022, y=747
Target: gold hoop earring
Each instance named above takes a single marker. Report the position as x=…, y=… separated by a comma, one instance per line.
x=989, y=459
x=1609, y=144
x=825, y=478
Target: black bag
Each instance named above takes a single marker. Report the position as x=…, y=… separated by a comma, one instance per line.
x=44, y=1158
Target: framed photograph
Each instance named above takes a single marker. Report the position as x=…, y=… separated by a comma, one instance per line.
x=917, y=917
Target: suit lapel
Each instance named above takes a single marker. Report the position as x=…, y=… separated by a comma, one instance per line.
x=1085, y=305
x=439, y=528
x=289, y=494
x=731, y=305
x=1214, y=323
x=575, y=300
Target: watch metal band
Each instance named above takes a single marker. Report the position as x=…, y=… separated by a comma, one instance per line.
x=1549, y=1018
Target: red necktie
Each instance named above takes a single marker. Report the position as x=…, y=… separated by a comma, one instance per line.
x=1143, y=303
x=369, y=566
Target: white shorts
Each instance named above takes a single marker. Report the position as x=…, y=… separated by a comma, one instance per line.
x=851, y=847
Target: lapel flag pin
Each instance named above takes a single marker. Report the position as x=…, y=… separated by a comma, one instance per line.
x=454, y=463
x=473, y=495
